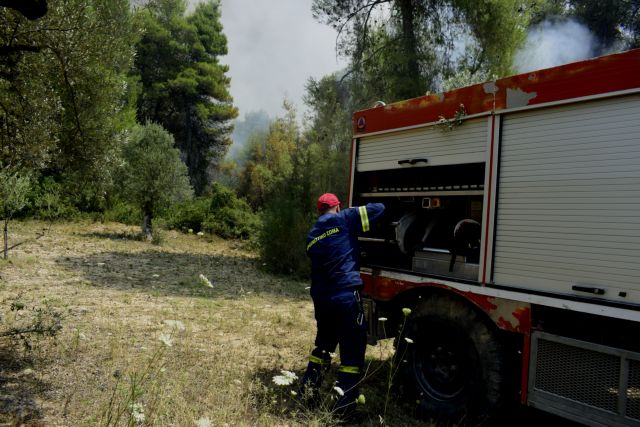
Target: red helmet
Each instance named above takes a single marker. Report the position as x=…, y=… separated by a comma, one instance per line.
x=327, y=201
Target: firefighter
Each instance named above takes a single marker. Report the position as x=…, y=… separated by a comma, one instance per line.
x=332, y=245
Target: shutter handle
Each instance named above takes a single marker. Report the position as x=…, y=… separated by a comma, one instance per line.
x=420, y=160
x=588, y=289
x=412, y=161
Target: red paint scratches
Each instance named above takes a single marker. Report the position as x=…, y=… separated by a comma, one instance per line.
x=386, y=289
x=520, y=321
x=383, y=288
x=506, y=325
x=606, y=74
x=426, y=109
x=523, y=314
x=485, y=302
x=509, y=315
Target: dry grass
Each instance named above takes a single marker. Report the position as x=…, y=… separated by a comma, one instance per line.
x=121, y=298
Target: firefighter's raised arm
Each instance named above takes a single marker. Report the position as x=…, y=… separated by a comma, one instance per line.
x=361, y=218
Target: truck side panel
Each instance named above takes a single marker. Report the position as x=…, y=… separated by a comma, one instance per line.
x=568, y=200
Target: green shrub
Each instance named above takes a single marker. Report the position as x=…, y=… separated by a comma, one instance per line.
x=233, y=222
x=188, y=215
x=48, y=201
x=230, y=217
x=220, y=213
x=125, y=213
x=222, y=197
x=282, y=240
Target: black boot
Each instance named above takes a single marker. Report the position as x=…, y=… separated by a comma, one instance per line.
x=348, y=385
x=309, y=391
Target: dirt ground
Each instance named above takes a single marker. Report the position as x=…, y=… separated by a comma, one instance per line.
x=146, y=341
x=188, y=332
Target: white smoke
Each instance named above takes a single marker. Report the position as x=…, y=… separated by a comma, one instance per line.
x=554, y=43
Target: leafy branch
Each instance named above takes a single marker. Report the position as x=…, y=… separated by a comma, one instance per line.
x=457, y=119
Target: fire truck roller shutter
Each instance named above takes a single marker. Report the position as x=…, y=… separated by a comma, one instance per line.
x=424, y=147
x=568, y=199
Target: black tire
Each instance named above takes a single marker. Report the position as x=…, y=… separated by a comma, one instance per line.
x=454, y=369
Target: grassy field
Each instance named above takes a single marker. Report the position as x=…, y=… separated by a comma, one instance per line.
x=144, y=341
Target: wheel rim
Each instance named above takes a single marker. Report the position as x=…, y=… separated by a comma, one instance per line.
x=444, y=362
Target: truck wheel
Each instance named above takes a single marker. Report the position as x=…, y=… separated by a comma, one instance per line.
x=453, y=369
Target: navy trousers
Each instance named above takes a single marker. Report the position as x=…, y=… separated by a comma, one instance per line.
x=340, y=322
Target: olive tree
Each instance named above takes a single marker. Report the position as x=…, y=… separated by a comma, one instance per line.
x=13, y=197
x=153, y=176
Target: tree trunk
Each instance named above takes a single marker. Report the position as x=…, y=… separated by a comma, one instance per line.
x=411, y=69
x=147, y=228
x=193, y=156
x=6, y=240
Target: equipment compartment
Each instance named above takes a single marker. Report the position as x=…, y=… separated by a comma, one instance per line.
x=432, y=219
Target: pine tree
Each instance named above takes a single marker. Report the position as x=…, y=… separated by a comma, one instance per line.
x=183, y=85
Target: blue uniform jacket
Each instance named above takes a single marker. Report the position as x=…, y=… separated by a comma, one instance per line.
x=332, y=245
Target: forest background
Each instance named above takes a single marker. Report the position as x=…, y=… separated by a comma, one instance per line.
x=116, y=110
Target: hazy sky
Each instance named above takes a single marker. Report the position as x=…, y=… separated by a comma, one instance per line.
x=274, y=47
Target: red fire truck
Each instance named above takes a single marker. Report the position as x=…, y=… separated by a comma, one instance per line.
x=512, y=232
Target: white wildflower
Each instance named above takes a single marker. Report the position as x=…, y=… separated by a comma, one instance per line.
x=284, y=379
x=339, y=390
x=137, y=412
x=190, y=231
x=293, y=393
x=406, y=311
x=409, y=340
x=175, y=324
x=289, y=374
x=382, y=319
x=332, y=355
x=166, y=339
x=203, y=422
x=204, y=281
x=200, y=233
